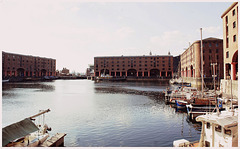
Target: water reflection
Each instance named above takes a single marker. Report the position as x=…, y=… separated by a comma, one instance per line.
x=37, y=86
x=100, y=114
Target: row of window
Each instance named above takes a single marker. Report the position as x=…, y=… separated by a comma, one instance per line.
x=209, y=44
x=139, y=69
x=218, y=128
x=227, y=40
x=234, y=26
x=133, y=58
x=233, y=14
x=210, y=51
x=163, y=65
x=27, y=65
x=31, y=61
x=133, y=62
x=26, y=58
x=30, y=69
x=210, y=57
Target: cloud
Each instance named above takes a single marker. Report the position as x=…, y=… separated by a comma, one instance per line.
x=173, y=41
x=74, y=9
x=212, y=31
x=124, y=32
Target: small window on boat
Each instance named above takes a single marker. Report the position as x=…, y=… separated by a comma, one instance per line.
x=207, y=144
x=227, y=131
x=218, y=128
x=208, y=125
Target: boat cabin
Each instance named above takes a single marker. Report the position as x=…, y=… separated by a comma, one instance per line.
x=190, y=89
x=219, y=130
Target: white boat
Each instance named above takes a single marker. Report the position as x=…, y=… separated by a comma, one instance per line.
x=3, y=81
x=218, y=130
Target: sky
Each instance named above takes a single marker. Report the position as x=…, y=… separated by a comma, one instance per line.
x=74, y=32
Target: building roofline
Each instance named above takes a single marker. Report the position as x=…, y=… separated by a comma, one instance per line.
x=229, y=8
x=206, y=39
x=134, y=56
x=27, y=55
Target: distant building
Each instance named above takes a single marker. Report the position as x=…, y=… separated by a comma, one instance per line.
x=191, y=61
x=176, y=66
x=64, y=72
x=230, y=42
x=17, y=65
x=134, y=66
x=90, y=71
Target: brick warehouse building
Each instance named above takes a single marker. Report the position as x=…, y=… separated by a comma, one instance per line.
x=17, y=65
x=191, y=62
x=230, y=47
x=134, y=66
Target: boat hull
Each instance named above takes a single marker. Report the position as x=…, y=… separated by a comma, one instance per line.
x=181, y=104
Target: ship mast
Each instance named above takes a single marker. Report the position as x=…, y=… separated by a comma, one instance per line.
x=201, y=60
x=214, y=76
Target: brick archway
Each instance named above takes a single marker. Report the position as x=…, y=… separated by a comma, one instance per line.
x=132, y=72
x=20, y=72
x=154, y=72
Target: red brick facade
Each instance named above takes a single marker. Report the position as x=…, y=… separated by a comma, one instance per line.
x=136, y=66
x=212, y=53
x=14, y=65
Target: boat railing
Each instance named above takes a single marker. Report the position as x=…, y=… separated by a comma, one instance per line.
x=189, y=144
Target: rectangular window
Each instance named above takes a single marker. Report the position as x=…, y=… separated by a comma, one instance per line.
x=228, y=132
x=233, y=12
x=227, y=43
x=234, y=38
x=227, y=30
x=227, y=54
x=210, y=45
x=218, y=128
x=210, y=51
x=234, y=24
x=216, y=44
x=216, y=50
x=226, y=19
x=208, y=125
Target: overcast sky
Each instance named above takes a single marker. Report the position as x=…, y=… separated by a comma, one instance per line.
x=74, y=32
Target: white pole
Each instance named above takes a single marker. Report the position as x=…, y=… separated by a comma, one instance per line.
x=202, y=60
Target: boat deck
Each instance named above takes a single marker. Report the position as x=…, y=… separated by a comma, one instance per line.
x=55, y=141
x=195, y=144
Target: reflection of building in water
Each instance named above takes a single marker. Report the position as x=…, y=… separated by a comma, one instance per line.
x=17, y=65
x=230, y=42
x=135, y=66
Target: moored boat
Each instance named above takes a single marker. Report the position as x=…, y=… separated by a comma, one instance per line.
x=26, y=133
x=181, y=104
x=6, y=80
x=219, y=129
